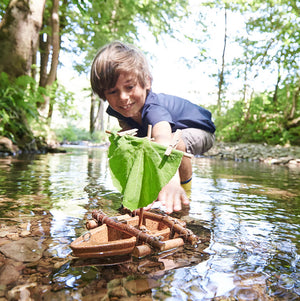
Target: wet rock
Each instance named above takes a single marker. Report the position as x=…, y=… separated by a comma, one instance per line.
x=2, y=290
x=105, y=298
x=282, y=160
x=10, y=272
x=25, y=233
x=280, y=155
x=3, y=233
x=13, y=236
x=147, y=266
x=294, y=163
x=114, y=283
x=2, y=260
x=21, y=292
x=41, y=230
x=118, y=292
x=25, y=249
x=6, y=146
x=6, y=231
x=59, y=263
x=99, y=295
x=24, y=226
x=138, y=286
x=59, y=296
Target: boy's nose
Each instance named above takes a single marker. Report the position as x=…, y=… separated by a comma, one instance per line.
x=124, y=95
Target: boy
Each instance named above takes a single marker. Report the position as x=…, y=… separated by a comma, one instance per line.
x=120, y=75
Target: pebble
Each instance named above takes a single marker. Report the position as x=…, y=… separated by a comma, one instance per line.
x=138, y=286
x=12, y=236
x=118, y=292
x=25, y=233
x=10, y=272
x=21, y=292
x=25, y=250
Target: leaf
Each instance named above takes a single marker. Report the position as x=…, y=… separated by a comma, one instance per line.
x=140, y=169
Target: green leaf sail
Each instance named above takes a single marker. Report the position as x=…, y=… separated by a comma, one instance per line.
x=140, y=169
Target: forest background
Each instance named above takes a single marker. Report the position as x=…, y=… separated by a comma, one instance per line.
x=253, y=69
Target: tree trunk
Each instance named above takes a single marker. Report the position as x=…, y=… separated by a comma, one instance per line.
x=246, y=97
x=52, y=43
x=295, y=100
x=55, y=43
x=33, y=66
x=275, y=94
x=96, y=121
x=44, y=53
x=100, y=113
x=221, y=74
x=92, y=110
x=19, y=32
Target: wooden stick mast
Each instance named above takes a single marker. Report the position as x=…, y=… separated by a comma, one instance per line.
x=149, y=133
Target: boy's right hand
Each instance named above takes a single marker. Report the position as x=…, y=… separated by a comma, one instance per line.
x=172, y=196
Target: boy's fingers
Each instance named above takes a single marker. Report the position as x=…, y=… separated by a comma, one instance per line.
x=185, y=199
x=177, y=204
x=148, y=207
x=172, y=202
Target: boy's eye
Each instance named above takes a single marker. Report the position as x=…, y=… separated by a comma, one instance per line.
x=130, y=87
x=111, y=92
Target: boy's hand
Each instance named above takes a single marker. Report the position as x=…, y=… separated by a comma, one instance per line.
x=172, y=196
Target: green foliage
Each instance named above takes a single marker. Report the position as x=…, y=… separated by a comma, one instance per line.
x=63, y=100
x=3, y=6
x=19, y=117
x=228, y=123
x=140, y=169
x=95, y=23
x=99, y=136
x=18, y=107
x=72, y=134
x=265, y=121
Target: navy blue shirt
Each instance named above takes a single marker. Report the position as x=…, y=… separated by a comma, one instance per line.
x=179, y=112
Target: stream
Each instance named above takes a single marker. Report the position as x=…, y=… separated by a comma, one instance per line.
x=247, y=215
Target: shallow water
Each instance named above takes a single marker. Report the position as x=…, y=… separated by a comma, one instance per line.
x=250, y=210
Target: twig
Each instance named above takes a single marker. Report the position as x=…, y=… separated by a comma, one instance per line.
x=171, y=223
x=174, y=142
x=186, y=154
x=149, y=133
x=132, y=231
x=131, y=132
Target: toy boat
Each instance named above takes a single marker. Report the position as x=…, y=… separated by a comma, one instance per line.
x=141, y=234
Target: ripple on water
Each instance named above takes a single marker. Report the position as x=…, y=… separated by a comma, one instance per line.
x=251, y=211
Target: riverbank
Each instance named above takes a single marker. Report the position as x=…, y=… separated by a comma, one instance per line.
x=270, y=154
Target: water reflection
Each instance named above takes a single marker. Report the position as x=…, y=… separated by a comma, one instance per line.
x=251, y=210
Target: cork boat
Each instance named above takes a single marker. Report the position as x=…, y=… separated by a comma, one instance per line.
x=139, y=234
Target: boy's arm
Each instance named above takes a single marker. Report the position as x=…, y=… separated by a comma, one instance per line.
x=171, y=195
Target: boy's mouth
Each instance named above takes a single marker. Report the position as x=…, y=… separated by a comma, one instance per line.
x=127, y=107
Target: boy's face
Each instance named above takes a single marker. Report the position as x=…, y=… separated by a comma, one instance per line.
x=128, y=97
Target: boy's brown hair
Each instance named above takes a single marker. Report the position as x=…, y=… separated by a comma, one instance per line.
x=112, y=60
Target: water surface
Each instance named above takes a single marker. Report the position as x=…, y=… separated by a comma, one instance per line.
x=249, y=211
